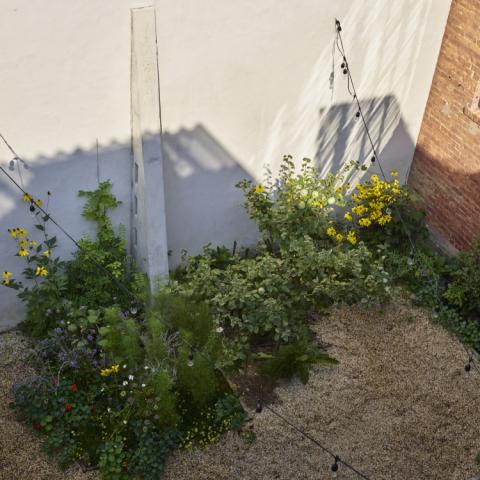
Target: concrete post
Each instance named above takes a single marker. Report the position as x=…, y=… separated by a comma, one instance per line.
x=149, y=236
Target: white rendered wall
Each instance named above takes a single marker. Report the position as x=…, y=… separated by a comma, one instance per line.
x=242, y=83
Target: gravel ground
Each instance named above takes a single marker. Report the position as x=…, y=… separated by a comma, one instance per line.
x=398, y=406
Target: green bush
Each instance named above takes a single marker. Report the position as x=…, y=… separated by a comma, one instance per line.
x=272, y=294
x=293, y=360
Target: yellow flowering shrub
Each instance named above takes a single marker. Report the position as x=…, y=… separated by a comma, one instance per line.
x=296, y=204
x=381, y=210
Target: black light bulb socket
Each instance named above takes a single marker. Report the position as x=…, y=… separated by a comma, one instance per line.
x=357, y=114
x=259, y=407
x=345, y=71
x=373, y=159
x=335, y=465
x=11, y=165
x=343, y=65
x=32, y=207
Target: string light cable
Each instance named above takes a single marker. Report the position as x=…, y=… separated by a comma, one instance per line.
x=336, y=458
x=353, y=92
x=376, y=158
x=191, y=355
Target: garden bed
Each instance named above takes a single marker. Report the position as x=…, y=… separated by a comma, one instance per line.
x=398, y=406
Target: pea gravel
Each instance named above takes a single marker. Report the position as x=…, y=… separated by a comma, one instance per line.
x=398, y=406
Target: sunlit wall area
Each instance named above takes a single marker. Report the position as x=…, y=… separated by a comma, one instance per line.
x=241, y=84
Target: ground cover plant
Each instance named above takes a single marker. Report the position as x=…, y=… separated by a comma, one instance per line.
x=152, y=373
x=116, y=384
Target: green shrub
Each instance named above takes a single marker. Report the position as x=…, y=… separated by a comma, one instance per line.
x=293, y=360
x=272, y=294
x=87, y=282
x=294, y=205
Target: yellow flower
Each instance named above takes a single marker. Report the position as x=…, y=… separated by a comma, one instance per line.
x=6, y=278
x=259, y=189
x=32, y=243
x=394, y=173
x=26, y=198
x=21, y=232
x=41, y=271
x=385, y=219
x=339, y=190
x=23, y=253
x=115, y=368
x=38, y=202
x=108, y=371
x=47, y=253
x=13, y=232
x=365, y=222
x=338, y=237
x=374, y=178
x=351, y=237
x=23, y=243
x=331, y=232
x=348, y=217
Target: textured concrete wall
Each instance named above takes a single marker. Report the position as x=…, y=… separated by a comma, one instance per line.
x=241, y=83
x=446, y=167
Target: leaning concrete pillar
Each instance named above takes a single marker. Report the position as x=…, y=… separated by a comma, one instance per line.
x=149, y=235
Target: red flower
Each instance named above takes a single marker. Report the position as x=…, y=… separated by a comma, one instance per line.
x=68, y=407
x=74, y=388
x=37, y=426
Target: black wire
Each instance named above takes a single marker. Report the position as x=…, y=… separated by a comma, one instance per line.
x=141, y=302
x=341, y=49
x=317, y=443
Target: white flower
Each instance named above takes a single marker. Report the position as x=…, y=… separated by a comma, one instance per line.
x=315, y=194
x=109, y=409
x=125, y=366
x=331, y=201
x=125, y=422
x=385, y=280
x=219, y=329
x=304, y=192
x=261, y=290
x=301, y=205
x=146, y=367
x=130, y=377
x=125, y=383
x=143, y=385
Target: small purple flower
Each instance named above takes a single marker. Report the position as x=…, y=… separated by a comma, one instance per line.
x=62, y=322
x=90, y=338
x=58, y=331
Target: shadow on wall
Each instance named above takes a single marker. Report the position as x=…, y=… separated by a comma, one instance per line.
x=342, y=138
x=202, y=203
x=451, y=198
x=63, y=175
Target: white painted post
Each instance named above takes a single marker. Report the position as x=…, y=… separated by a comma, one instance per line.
x=149, y=235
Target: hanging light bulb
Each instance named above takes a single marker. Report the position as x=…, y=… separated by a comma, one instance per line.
x=32, y=209
x=11, y=165
x=357, y=114
x=334, y=467
x=190, y=359
x=259, y=406
x=373, y=159
x=345, y=71
x=468, y=366
x=133, y=309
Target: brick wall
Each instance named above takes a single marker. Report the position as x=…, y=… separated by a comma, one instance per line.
x=446, y=164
